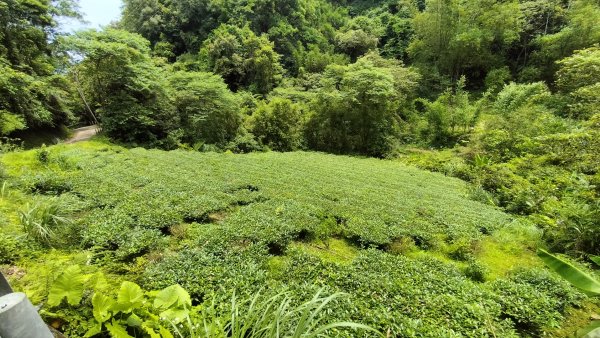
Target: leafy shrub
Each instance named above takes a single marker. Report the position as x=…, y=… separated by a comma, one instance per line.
x=475, y=271
x=49, y=182
x=355, y=110
x=450, y=116
x=402, y=246
x=534, y=299
x=244, y=143
x=497, y=78
x=208, y=111
x=131, y=311
x=462, y=249
x=514, y=96
x=43, y=155
x=9, y=249
x=278, y=124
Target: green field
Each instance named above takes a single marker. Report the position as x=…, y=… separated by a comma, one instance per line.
x=414, y=254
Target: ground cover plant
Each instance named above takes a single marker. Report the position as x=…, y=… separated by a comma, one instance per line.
x=413, y=254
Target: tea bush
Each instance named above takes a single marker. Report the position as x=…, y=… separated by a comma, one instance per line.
x=224, y=224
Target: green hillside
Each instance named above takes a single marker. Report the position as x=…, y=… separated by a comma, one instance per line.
x=414, y=253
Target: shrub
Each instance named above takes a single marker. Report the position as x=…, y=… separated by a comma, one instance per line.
x=244, y=143
x=534, y=299
x=475, y=271
x=278, y=124
x=450, y=116
x=9, y=249
x=208, y=111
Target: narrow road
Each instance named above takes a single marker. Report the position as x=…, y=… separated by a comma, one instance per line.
x=83, y=134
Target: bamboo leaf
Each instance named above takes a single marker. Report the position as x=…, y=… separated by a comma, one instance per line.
x=596, y=259
x=572, y=274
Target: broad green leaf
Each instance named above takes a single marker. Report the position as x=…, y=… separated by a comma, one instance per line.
x=591, y=331
x=101, y=307
x=117, y=331
x=165, y=333
x=173, y=295
x=596, y=259
x=175, y=316
x=573, y=275
x=99, y=281
x=70, y=285
x=134, y=321
x=94, y=330
x=130, y=297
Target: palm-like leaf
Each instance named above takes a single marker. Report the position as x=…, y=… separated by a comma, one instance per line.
x=573, y=275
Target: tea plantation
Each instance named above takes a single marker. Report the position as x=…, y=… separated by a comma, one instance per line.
x=414, y=254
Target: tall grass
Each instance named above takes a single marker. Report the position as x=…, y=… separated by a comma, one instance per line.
x=40, y=221
x=274, y=317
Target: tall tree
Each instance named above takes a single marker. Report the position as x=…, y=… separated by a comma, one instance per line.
x=124, y=86
x=242, y=58
x=32, y=95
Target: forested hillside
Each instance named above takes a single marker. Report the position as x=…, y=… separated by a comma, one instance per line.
x=281, y=139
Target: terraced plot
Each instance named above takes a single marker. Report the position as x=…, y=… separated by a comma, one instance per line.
x=409, y=247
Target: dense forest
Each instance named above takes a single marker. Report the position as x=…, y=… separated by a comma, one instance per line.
x=501, y=94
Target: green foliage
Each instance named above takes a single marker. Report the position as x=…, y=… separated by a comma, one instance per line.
x=242, y=58
x=460, y=38
x=69, y=285
x=497, y=78
x=169, y=312
x=450, y=116
x=356, y=110
x=43, y=221
x=208, y=111
x=124, y=86
x=476, y=271
x=577, y=278
x=580, y=31
x=278, y=124
x=9, y=249
x=578, y=75
x=527, y=299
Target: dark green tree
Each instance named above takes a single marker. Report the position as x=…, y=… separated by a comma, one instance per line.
x=243, y=59
x=124, y=87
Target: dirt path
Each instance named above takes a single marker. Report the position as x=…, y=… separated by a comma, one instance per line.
x=83, y=134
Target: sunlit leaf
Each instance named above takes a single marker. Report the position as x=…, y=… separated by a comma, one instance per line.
x=70, y=285
x=165, y=333
x=572, y=274
x=173, y=295
x=101, y=307
x=117, y=331
x=94, y=330
x=130, y=297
